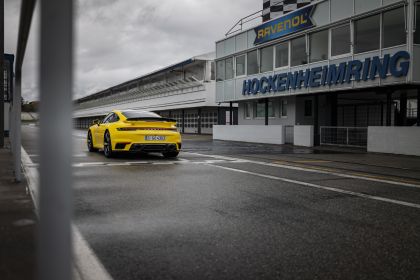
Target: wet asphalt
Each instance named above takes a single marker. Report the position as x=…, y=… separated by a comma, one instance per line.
x=228, y=217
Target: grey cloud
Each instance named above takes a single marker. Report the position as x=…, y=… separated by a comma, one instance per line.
x=120, y=40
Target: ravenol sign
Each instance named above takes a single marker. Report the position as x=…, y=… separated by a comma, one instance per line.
x=369, y=69
x=290, y=23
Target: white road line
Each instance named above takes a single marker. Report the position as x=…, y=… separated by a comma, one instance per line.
x=362, y=195
x=87, y=264
x=310, y=170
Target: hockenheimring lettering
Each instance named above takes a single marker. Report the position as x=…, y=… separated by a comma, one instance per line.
x=371, y=68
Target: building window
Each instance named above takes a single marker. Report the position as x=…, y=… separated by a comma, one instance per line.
x=340, y=40
x=417, y=33
x=212, y=71
x=252, y=62
x=229, y=68
x=259, y=111
x=308, y=108
x=240, y=65
x=282, y=55
x=266, y=59
x=393, y=28
x=318, y=46
x=247, y=110
x=220, y=70
x=298, y=51
x=283, y=108
x=366, y=34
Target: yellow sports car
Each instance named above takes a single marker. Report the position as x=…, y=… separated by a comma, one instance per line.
x=134, y=131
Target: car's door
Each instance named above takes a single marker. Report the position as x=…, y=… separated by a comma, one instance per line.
x=100, y=130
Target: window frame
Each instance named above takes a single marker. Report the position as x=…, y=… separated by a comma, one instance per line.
x=258, y=62
x=217, y=70
x=260, y=58
x=383, y=29
x=309, y=45
x=350, y=53
x=304, y=108
x=354, y=33
x=255, y=111
x=233, y=68
x=248, y=109
x=305, y=36
x=283, y=101
x=245, y=65
x=288, y=42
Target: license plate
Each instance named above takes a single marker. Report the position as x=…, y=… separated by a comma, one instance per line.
x=154, y=138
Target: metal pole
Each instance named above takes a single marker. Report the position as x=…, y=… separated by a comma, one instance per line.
x=230, y=113
x=183, y=121
x=199, y=121
x=56, y=81
x=2, y=74
x=17, y=122
x=403, y=109
x=388, y=108
x=266, y=111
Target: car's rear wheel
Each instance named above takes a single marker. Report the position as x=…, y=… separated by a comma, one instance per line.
x=170, y=154
x=107, y=145
x=90, y=146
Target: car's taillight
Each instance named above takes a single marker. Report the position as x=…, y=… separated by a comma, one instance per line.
x=127, y=128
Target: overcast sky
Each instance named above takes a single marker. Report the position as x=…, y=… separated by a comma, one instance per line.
x=118, y=40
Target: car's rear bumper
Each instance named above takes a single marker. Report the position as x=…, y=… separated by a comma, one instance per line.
x=149, y=148
x=135, y=142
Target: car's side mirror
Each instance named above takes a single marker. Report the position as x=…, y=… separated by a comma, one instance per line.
x=97, y=122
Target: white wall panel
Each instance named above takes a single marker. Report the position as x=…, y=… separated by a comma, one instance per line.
x=341, y=9
x=362, y=6
x=230, y=46
x=321, y=15
x=241, y=42
x=220, y=49
x=394, y=140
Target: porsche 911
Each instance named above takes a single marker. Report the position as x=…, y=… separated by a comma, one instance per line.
x=134, y=131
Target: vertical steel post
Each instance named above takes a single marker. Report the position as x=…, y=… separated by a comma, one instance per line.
x=316, y=121
x=56, y=81
x=183, y=121
x=388, y=108
x=231, y=113
x=266, y=111
x=2, y=74
x=403, y=109
x=17, y=95
x=199, y=121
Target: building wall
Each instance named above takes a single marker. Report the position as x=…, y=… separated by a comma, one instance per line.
x=327, y=13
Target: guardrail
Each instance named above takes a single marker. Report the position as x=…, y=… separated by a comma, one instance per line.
x=343, y=136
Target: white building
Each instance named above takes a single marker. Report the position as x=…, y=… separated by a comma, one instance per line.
x=341, y=72
x=184, y=91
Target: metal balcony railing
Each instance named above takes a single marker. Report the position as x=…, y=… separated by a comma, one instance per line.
x=343, y=136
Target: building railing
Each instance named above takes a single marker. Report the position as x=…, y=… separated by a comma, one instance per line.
x=139, y=93
x=343, y=136
x=239, y=25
